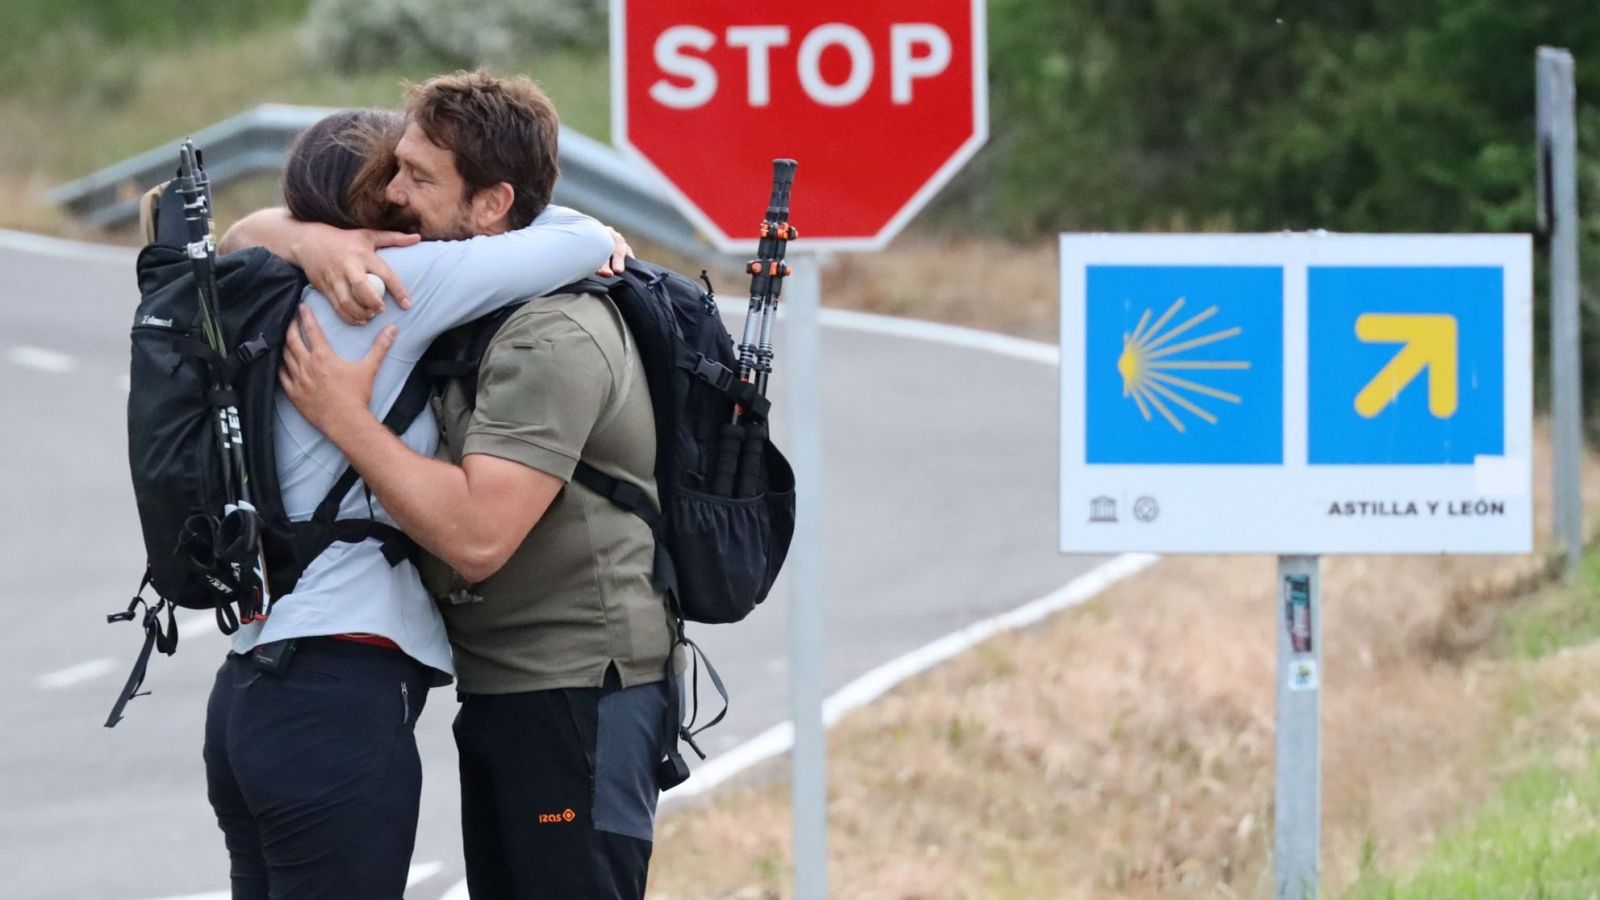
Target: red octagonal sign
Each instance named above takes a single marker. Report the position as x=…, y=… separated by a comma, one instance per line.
x=881, y=102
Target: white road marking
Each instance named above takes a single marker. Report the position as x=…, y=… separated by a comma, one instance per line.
x=78, y=674
x=921, y=330
x=190, y=624
x=125, y=383
x=417, y=874
x=41, y=245
x=459, y=892
x=938, y=333
x=779, y=739
x=41, y=359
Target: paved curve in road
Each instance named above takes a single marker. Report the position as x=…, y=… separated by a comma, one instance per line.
x=940, y=497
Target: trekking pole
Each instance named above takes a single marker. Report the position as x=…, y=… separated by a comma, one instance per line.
x=767, y=272
x=740, y=446
x=239, y=521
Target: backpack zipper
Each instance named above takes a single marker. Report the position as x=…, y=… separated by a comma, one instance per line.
x=405, y=702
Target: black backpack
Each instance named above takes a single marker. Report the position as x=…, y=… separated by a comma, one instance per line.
x=718, y=550
x=194, y=553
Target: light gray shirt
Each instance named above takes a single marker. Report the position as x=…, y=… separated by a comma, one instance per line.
x=351, y=588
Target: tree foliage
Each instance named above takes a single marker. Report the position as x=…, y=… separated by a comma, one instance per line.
x=1259, y=115
x=1267, y=114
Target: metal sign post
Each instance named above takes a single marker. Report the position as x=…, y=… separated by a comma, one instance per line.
x=1297, y=822
x=807, y=671
x=1558, y=219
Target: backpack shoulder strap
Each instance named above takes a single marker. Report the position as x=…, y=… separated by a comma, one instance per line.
x=326, y=527
x=458, y=353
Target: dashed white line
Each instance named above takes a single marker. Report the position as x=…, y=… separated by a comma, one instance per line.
x=78, y=674
x=41, y=359
x=190, y=623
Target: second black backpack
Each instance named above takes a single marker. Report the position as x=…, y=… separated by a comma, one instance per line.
x=720, y=541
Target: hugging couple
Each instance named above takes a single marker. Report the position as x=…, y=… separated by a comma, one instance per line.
x=535, y=599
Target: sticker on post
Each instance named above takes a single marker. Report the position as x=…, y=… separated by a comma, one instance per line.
x=1303, y=675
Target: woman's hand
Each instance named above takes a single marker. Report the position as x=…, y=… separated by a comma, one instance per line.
x=620, y=251
x=337, y=263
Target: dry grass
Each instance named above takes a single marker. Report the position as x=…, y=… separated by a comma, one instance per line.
x=980, y=283
x=1125, y=750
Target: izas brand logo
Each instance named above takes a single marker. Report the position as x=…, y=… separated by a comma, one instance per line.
x=561, y=818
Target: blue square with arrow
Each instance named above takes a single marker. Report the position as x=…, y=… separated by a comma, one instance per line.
x=1406, y=364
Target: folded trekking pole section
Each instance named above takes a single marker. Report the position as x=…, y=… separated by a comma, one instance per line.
x=740, y=454
x=186, y=447
x=236, y=536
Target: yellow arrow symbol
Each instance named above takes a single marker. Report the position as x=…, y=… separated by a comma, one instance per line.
x=1430, y=343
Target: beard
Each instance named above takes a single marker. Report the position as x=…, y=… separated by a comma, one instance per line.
x=457, y=228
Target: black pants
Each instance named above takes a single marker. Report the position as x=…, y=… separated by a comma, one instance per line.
x=558, y=791
x=314, y=774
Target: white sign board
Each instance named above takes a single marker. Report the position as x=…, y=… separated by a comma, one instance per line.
x=1296, y=393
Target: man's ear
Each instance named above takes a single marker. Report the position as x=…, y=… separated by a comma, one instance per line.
x=491, y=207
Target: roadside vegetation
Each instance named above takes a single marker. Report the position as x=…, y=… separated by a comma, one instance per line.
x=1538, y=835
x=1125, y=749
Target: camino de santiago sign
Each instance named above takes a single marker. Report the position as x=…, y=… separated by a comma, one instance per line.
x=1296, y=393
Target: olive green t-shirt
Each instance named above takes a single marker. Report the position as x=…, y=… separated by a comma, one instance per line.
x=560, y=382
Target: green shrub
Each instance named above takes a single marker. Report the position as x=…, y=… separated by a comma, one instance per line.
x=360, y=35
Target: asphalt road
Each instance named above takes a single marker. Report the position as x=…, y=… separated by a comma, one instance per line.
x=939, y=462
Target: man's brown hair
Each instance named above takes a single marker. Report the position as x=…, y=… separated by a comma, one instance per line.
x=500, y=129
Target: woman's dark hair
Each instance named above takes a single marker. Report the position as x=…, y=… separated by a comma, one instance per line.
x=338, y=168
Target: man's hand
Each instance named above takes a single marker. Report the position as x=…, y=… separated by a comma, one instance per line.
x=619, y=254
x=336, y=262
x=328, y=389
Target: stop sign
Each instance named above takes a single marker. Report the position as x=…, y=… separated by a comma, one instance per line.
x=880, y=103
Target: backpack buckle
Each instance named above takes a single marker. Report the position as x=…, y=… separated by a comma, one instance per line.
x=252, y=349
x=712, y=372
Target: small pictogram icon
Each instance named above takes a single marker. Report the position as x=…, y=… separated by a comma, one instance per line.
x=1145, y=509
x=1102, y=509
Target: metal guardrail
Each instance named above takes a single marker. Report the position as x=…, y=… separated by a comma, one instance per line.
x=594, y=178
